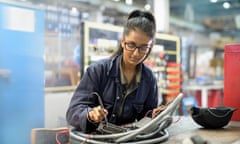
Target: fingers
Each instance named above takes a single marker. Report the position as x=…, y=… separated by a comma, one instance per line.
x=158, y=110
x=97, y=114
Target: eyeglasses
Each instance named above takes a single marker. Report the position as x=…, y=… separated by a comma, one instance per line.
x=132, y=47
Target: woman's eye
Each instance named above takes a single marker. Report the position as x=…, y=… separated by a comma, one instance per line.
x=131, y=45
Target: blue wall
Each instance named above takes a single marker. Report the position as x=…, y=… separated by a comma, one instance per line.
x=22, y=91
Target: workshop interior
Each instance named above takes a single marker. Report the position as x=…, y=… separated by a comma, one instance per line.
x=47, y=45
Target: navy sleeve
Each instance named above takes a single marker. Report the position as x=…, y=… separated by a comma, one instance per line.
x=82, y=101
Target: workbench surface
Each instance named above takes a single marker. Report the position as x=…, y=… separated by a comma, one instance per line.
x=183, y=128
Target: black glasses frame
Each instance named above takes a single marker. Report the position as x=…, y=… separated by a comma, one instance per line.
x=132, y=47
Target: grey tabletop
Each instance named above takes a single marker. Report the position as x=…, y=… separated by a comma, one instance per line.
x=183, y=128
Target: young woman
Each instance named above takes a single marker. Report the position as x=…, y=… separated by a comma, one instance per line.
x=127, y=88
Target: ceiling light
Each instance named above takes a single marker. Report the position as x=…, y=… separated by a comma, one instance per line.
x=226, y=5
x=74, y=11
x=147, y=7
x=128, y=2
x=116, y=0
x=213, y=1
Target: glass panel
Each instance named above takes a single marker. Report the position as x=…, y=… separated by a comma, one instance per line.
x=62, y=48
x=100, y=41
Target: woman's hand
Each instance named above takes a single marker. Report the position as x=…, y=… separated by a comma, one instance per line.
x=158, y=110
x=97, y=114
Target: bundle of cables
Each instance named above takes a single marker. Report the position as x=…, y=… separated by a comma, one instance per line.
x=145, y=131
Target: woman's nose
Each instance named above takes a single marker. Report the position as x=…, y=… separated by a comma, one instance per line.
x=136, y=51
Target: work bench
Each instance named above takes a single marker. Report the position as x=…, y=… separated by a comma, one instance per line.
x=184, y=128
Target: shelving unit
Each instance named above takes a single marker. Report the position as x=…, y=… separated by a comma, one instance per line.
x=165, y=62
x=99, y=41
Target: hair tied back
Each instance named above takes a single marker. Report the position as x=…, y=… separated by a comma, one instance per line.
x=134, y=14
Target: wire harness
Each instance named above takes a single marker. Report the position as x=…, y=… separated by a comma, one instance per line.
x=151, y=130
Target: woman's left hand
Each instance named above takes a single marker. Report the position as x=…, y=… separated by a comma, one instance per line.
x=158, y=110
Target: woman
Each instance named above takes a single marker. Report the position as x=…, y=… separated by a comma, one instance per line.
x=127, y=88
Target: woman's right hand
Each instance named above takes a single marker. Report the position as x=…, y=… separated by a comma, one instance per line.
x=97, y=114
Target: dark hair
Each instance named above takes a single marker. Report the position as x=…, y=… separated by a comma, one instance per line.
x=141, y=20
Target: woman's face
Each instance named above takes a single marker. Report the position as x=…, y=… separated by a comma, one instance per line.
x=131, y=54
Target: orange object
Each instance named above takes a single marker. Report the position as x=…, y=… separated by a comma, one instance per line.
x=175, y=79
x=174, y=72
x=173, y=64
x=174, y=86
x=232, y=78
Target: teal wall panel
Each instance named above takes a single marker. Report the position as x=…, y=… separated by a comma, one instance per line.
x=22, y=91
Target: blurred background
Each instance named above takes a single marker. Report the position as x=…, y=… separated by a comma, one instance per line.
x=45, y=46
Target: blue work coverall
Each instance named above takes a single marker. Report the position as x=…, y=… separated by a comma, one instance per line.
x=103, y=77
